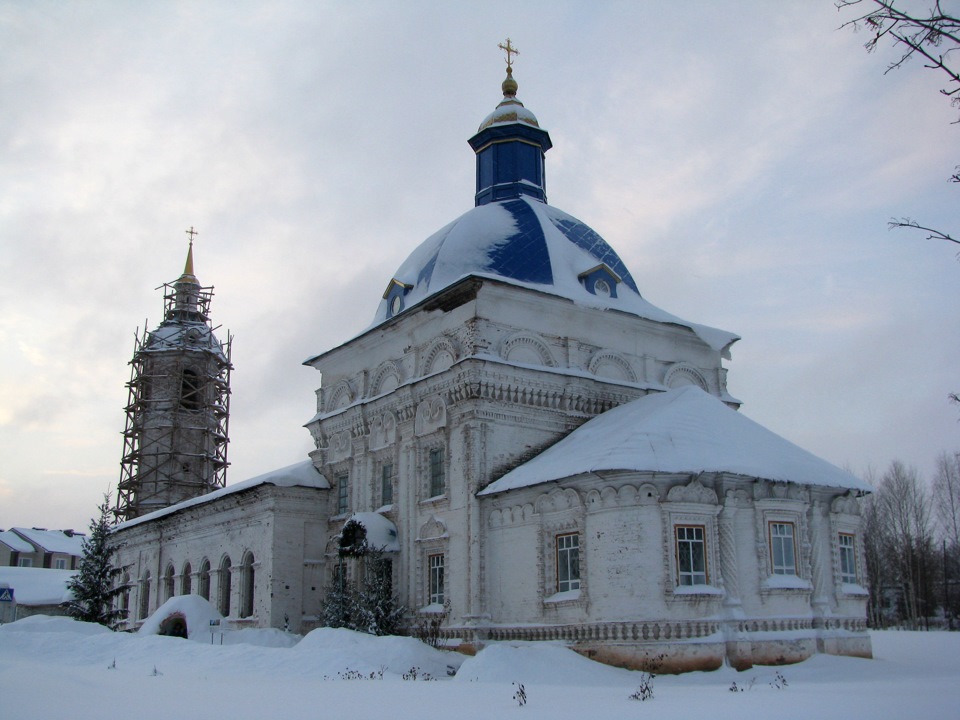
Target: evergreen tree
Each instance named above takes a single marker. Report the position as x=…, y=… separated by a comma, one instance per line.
x=339, y=602
x=369, y=606
x=95, y=586
x=377, y=612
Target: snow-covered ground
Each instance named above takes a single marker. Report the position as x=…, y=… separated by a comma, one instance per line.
x=59, y=668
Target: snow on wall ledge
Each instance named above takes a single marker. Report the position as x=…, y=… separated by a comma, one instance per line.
x=301, y=474
x=679, y=431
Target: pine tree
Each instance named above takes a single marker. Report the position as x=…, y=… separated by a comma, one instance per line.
x=377, y=612
x=95, y=586
x=369, y=606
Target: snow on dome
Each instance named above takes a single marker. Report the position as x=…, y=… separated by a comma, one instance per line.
x=528, y=243
x=173, y=334
x=679, y=431
x=510, y=110
x=381, y=532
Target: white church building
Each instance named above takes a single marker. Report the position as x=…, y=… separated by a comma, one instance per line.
x=543, y=454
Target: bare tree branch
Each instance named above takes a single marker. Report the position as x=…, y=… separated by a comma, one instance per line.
x=933, y=36
x=913, y=224
x=917, y=35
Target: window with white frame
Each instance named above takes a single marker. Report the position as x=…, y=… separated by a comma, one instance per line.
x=783, y=556
x=691, y=555
x=437, y=483
x=386, y=483
x=343, y=493
x=848, y=559
x=25, y=562
x=60, y=564
x=568, y=562
x=435, y=568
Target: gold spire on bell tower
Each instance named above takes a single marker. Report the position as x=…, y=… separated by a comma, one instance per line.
x=509, y=85
x=188, y=274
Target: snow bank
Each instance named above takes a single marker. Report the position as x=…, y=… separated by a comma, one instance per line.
x=195, y=611
x=539, y=664
x=331, y=651
x=260, y=637
x=53, y=624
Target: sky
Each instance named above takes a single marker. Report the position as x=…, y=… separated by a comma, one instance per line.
x=742, y=158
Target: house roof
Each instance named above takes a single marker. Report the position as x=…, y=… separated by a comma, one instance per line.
x=53, y=541
x=15, y=542
x=685, y=430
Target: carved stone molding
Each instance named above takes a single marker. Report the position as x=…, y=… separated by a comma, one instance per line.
x=431, y=416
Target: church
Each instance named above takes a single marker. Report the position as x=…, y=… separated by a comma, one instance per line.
x=540, y=452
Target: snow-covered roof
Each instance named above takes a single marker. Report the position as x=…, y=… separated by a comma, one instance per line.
x=15, y=542
x=37, y=586
x=54, y=541
x=381, y=532
x=301, y=474
x=528, y=243
x=184, y=334
x=684, y=430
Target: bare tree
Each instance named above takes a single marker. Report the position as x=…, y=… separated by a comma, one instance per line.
x=934, y=36
x=946, y=500
x=898, y=540
x=946, y=497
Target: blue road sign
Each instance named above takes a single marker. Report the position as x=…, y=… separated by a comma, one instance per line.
x=6, y=594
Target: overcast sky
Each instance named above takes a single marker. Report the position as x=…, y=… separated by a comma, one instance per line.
x=743, y=159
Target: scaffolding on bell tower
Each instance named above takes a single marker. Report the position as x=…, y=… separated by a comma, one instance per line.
x=178, y=409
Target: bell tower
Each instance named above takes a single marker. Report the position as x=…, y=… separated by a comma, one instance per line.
x=178, y=409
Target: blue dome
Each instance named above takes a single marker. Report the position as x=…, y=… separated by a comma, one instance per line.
x=527, y=243
x=514, y=236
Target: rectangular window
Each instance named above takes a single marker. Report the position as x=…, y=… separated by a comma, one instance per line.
x=386, y=484
x=691, y=555
x=60, y=564
x=437, y=484
x=848, y=559
x=782, y=549
x=343, y=493
x=568, y=562
x=26, y=562
x=435, y=565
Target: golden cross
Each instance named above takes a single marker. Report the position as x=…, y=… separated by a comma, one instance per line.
x=509, y=50
x=191, y=232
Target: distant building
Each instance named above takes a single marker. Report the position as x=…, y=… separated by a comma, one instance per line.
x=550, y=456
x=40, y=548
x=33, y=591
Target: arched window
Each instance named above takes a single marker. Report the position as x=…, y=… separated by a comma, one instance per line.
x=223, y=599
x=203, y=579
x=191, y=390
x=246, y=588
x=168, y=589
x=144, y=608
x=125, y=596
x=186, y=581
